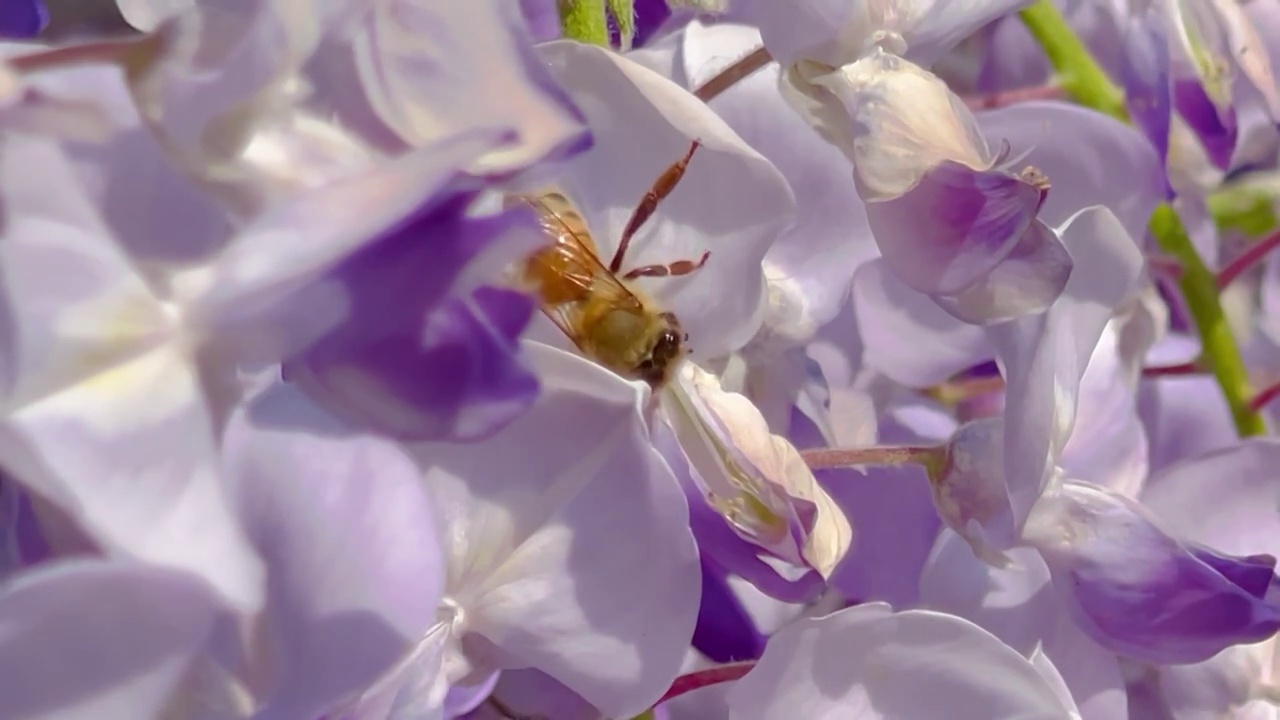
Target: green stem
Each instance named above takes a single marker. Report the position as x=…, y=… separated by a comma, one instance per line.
x=1085, y=81
x=624, y=18
x=1244, y=209
x=1200, y=288
x=584, y=21
x=1078, y=74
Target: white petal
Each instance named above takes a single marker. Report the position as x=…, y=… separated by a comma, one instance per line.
x=752, y=475
x=1045, y=356
x=1108, y=444
x=346, y=529
x=129, y=453
x=731, y=202
x=830, y=237
x=99, y=639
x=418, y=61
x=893, y=119
x=870, y=663
x=568, y=539
x=146, y=15
x=896, y=321
x=74, y=302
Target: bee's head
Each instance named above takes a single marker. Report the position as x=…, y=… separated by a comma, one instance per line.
x=665, y=352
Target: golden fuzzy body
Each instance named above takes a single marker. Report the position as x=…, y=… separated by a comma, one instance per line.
x=611, y=322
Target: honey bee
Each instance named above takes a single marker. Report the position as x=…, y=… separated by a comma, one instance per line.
x=610, y=320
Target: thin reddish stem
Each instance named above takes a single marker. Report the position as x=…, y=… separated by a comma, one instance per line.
x=104, y=51
x=1264, y=397
x=1164, y=265
x=733, y=74
x=702, y=678
x=991, y=101
x=1187, y=368
x=1252, y=255
x=826, y=458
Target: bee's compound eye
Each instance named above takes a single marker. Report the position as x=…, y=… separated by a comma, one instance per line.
x=668, y=345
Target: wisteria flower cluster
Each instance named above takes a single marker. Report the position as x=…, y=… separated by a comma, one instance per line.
x=635, y=360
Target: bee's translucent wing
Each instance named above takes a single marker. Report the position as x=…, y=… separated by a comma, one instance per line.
x=568, y=273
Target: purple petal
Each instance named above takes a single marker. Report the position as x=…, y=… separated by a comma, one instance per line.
x=971, y=492
x=1225, y=498
x=543, y=19
x=837, y=32
x=940, y=25
x=348, y=534
x=954, y=227
x=720, y=545
x=1108, y=445
x=896, y=520
x=97, y=639
x=1027, y=281
x=1044, y=356
x=28, y=544
x=1232, y=684
x=534, y=694
x=1216, y=133
x=461, y=379
x=463, y=699
x=197, y=94
x=725, y=631
x=1018, y=606
x=1141, y=592
x=651, y=17
x=23, y=19
x=1015, y=603
x=737, y=556
x=270, y=291
x=154, y=209
x=411, y=357
x=1088, y=158
x=799, y=30
x=1146, y=75
x=870, y=659
x=896, y=321
x=1184, y=416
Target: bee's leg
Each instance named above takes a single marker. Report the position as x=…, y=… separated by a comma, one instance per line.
x=665, y=183
x=679, y=267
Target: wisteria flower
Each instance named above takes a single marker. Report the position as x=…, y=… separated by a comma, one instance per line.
x=263, y=99
x=1232, y=513
x=577, y=561
x=585, y=359
x=746, y=473
x=996, y=468
x=90, y=339
x=1131, y=586
x=952, y=218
